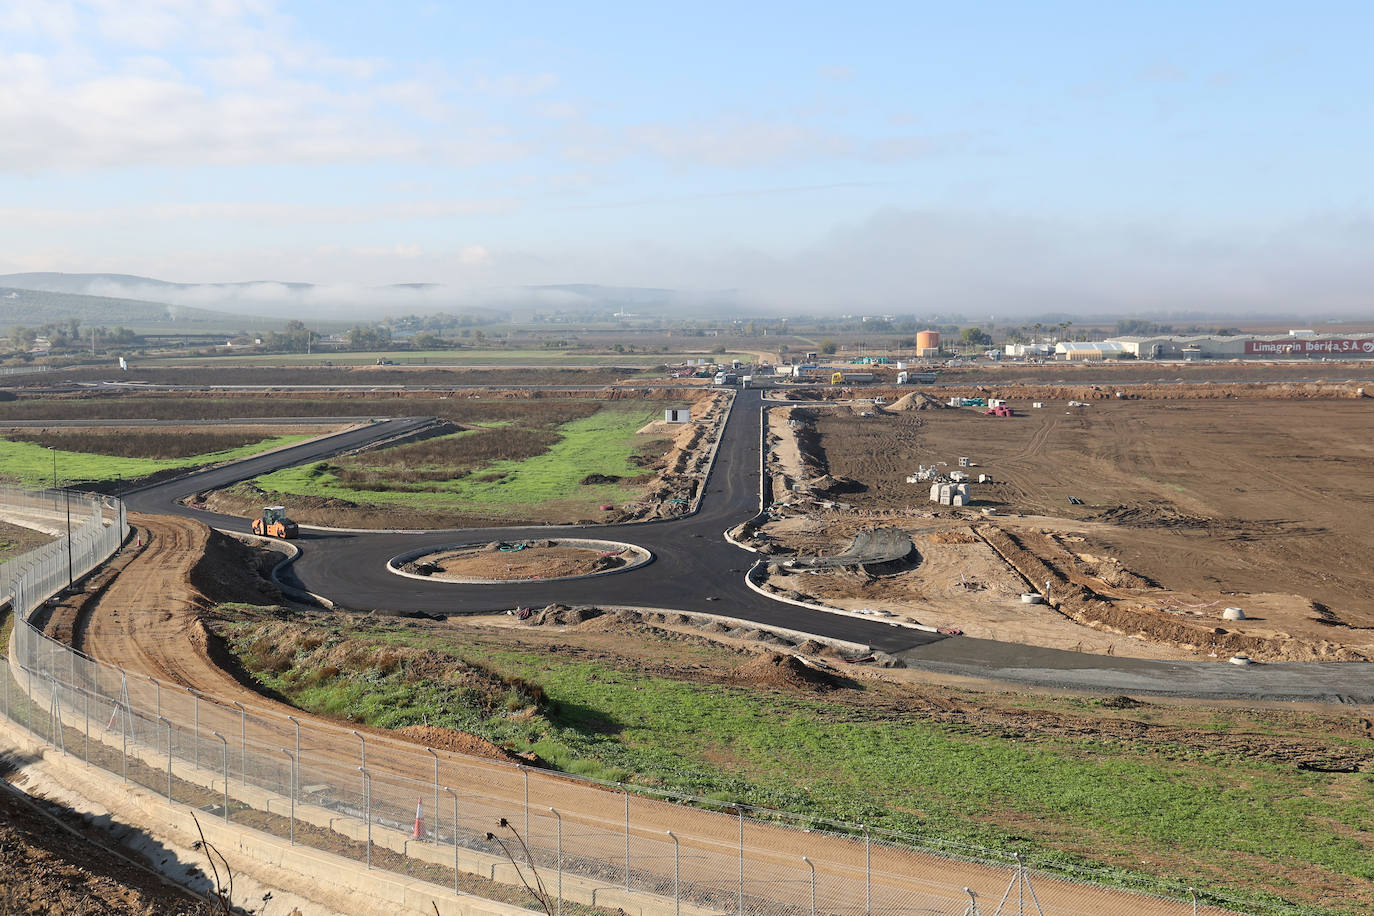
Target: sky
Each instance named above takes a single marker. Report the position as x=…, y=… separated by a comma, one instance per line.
x=982, y=158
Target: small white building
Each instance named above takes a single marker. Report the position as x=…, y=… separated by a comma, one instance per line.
x=677, y=415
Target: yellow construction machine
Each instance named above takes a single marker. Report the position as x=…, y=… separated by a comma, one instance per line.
x=275, y=524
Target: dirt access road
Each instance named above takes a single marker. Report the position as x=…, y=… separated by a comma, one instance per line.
x=148, y=621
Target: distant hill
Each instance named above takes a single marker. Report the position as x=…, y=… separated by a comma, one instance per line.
x=309, y=301
x=31, y=308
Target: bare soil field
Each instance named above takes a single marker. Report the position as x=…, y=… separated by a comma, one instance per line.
x=500, y=562
x=361, y=375
x=1188, y=507
x=474, y=406
x=152, y=442
x=1135, y=371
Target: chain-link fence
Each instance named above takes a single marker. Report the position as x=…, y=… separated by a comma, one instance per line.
x=488, y=826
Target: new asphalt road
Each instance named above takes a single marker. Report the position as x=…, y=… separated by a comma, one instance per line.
x=696, y=569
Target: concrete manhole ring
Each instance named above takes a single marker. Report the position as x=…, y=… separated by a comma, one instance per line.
x=519, y=561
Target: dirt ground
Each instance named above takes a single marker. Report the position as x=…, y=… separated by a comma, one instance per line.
x=48, y=870
x=545, y=560
x=1188, y=507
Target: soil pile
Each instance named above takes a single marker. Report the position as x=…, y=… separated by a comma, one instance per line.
x=563, y=616
x=786, y=672
x=916, y=400
x=232, y=571
x=448, y=739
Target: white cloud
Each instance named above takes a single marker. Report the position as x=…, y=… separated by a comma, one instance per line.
x=252, y=91
x=474, y=256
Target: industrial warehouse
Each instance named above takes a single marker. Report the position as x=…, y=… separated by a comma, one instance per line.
x=1297, y=344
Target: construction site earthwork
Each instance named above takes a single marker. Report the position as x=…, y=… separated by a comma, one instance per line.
x=432, y=641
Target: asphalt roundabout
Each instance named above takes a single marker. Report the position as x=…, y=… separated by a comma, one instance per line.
x=499, y=562
x=695, y=569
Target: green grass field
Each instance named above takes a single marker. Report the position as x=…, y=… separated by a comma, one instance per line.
x=602, y=443
x=31, y=465
x=1267, y=831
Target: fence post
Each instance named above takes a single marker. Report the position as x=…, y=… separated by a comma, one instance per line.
x=296, y=761
x=438, y=823
x=124, y=714
x=292, y=779
x=1192, y=893
x=86, y=702
x=559, y=818
x=195, y=700
x=677, y=875
x=158, y=687
x=740, y=809
x=455, y=837
x=224, y=747
x=812, y=866
x=243, y=742
x=363, y=763
x=627, y=838
x=367, y=795
x=1020, y=885
x=28, y=672
x=526, y=773
x=168, y=723
x=868, y=871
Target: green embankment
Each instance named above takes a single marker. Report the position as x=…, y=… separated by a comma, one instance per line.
x=31, y=465
x=1173, y=811
x=602, y=444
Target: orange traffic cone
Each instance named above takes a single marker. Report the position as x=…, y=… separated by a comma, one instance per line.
x=419, y=833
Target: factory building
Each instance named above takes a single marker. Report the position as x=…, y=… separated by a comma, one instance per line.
x=1300, y=344
x=1085, y=351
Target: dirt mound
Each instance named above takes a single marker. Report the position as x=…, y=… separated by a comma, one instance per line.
x=952, y=537
x=560, y=615
x=230, y=570
x=463, y=743
x=1159, y=516
x=916, y=400
x=1120, y=701
x=786, y=672
x=827, y=483
x=592, y=479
